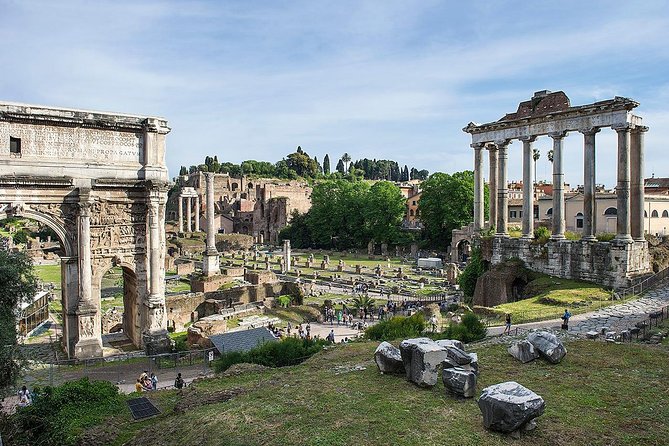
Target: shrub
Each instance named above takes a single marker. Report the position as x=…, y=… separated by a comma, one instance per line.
x=542, y=234
x=284, y=300
x=59, y=415
x=20, y=237
x=396, y=328
x=288, y=351
x=605, y=236
x=474, y=269
x=469, y=330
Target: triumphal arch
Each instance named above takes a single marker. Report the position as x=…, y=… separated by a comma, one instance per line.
x=99, y=180
x=550, y=114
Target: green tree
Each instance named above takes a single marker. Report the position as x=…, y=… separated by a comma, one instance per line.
x=183, y=170
x=383, y=210
x=340, y=167
x=303, y=165
x=447, y=203
x=19, y=284
x=20, y=237
x=326, y=165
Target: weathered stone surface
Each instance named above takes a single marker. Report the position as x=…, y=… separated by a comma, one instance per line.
x=548, y=345
x=422, y=357
x=523, y=351
x=474, y=364
x=457, y=356
x=508, y=406
x=388, y=358
x=451, y=343
x=459, y=381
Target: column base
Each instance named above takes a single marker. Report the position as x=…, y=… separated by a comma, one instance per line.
x=589, y=238
x=622, y=239
x=88, y=348
x=558, y=237
x=157, y=343
x=527, y=237
x=210, y=264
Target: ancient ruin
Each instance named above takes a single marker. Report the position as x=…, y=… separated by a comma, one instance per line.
x=98, y=180
x=615, y=263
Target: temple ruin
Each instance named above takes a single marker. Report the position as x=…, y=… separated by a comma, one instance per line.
x=613, y=263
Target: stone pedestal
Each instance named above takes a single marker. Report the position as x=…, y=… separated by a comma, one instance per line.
x=211, y=264
x=89, y=344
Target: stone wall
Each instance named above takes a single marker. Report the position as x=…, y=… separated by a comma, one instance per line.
x=180, y=309
x=607, y=263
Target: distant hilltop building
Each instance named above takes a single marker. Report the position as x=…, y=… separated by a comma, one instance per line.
x=259, y=207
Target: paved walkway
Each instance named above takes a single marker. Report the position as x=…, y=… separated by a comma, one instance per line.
x=616, y=317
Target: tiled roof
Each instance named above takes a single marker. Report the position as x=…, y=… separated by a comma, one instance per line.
x=242, y=340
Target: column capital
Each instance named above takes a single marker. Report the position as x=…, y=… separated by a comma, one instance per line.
x=491, y=147
x=626, y=127
x=477, y=145
x=558, y=135
x=502, y=143
x=589, y=130
x=639, y=129
x=529, y=138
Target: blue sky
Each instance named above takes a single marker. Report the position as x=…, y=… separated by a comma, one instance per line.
x=377, y=79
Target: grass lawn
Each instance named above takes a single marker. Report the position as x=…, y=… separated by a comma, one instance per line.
x=48, y=273
x=321, y=403
x=551, y=296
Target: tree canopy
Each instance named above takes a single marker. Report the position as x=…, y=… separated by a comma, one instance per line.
x=19, y=284
x=346, y=214
x=447, y=203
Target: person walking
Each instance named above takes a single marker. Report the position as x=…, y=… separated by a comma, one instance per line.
x=25, y=399
x=179, y=382
x=565, y=319
x=154, y=381
x=507, y=324
x=433, y=323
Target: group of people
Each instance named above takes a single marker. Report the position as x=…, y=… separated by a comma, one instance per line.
x=565, y=321
x=146, y=382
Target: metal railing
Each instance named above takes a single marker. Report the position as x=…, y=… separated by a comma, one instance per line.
x=645, y=284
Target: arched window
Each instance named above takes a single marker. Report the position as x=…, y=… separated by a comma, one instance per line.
x=411, y=213
x=549, y=211
x=654, y=214
x=645, y=214
x=665, y=213
x=611, y=211
x=235, y=186
x=579, y=220
x=250, y=186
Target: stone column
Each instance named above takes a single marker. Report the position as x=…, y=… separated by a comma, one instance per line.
x=492, y=185
x=189, y=206
x=154, y=252
x=623, y=233
x=89, y=344
x=589, y=183
x=286, y=255
x=181, y=213
x=528, y=187
x=502, y=189
x=479, y=210
x=197, y=213
x=558, y=186
x=637, y=182
x=210, y=261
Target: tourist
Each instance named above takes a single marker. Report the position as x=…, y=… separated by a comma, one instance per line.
x=433, y=323
x=154, y=381
x=179, y=382
x=25, y=399
x=565, y=319
x=331, y=337
x=138, y=386
x=308, y=329
x=339, y=317
x=507, y=322
x=289, y=327
x=350, y=319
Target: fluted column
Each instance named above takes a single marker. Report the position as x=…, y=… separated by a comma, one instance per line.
x=528, y=187
x=211, y=231
x=154, y=251
x=478, y=188
x=197, y=213
x=558, y=186
x=492, y=185
x=181, y=213
x=189, y=206
x=637, y=182
x=84, y=248
x=623, y=221
x=589, y=183
x=210, y=260
x=502, y=189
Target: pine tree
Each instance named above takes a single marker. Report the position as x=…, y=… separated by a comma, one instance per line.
x=340, y=167
x=326, y=165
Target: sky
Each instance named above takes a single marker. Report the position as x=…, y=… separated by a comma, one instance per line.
x=376, y=79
